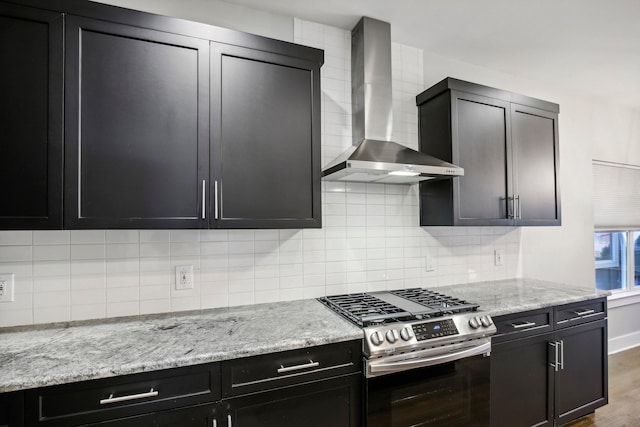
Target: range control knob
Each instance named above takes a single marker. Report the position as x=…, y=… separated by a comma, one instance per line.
x=392, y=336
x=486, y=321
x=376, y=338
x=474, y=323
x=406, y=333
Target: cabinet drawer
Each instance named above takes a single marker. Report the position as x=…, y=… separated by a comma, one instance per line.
x=259, y=373
x=524, y=324
x=580, y=312
x=99, y=400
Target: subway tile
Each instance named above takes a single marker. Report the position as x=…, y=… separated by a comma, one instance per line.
x=51, y=237
x=80, y=237
x=10, y=254
x=153, y=250
x=16, y=238
x=50, y=252
x=215, y=301
x=81, y=267
x=19, y=268
x=10, y=318
x=154, y=236
x=123, y=250
x=51, y=299
x=185, y=249
x=185, y=303
x=123, y=295
x=90, y=281
x=51, y=314
x=122, y=236
x=51, y=284
x=266, y=296
x=88, y=311
x=155, y=306
x=123, y=308
x=87, y=296
x=117, y=266
x=79, y=252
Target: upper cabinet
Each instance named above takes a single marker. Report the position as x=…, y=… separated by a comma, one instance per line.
x=508, y=147
x=265, y=139
x=136, y=127
x=31, y=78
x=167, y=123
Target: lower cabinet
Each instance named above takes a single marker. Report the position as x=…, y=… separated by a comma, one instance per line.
x=193, y=416
x=333, y=402
x=550, y=372
x=12, y=409
x=315, y=386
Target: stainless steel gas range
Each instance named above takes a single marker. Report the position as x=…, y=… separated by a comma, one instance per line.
x=426, y=356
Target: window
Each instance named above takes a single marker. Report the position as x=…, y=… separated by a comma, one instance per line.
x=617, y=258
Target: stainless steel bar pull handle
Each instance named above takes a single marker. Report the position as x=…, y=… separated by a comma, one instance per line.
x=555, y=346
x=204, y=199
x=584, y=312
x=522, y=325
x=311, y=364
x=111, y=399
x=216, y=215
x=215, y=423
x=517, y=207
x=509, y=207
x=561, y=362
x=229, y=423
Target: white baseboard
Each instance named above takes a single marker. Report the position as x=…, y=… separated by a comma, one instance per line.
x=624, y=342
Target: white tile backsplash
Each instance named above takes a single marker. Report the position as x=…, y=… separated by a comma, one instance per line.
x=370, y=238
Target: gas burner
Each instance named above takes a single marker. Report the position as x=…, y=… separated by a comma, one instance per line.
x=381, y=308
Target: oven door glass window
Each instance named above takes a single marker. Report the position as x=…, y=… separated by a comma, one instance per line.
x=451, y=394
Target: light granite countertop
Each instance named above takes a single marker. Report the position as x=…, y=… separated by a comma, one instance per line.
x=61, y=353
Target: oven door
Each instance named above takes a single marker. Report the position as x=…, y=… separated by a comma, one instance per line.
x=441, y=391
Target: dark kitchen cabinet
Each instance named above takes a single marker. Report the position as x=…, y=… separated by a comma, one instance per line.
x=136, y=127
x=167, y=123
x=332, y=402
x=506, y=143
x=31, y=106
x=317, y=386
x=192, y=416
x=137, y=399
x=549, y=367
x=265, y=137
x=12, y=409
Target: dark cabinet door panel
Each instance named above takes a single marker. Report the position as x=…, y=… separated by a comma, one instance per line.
x=193, y=416
x=136, y=127
x=334, y=403
x=483, y=150
x=31, y=106
x=522, y=383
x=535, y=138
x=265, y=139
x=581, y=382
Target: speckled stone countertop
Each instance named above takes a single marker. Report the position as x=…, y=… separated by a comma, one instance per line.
x=516, y=295
x=62, y=353
x=36, y=357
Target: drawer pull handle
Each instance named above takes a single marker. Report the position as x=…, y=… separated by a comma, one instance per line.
x=111, y=399
x=583, y=312
x=311, y=364
x=522, y=325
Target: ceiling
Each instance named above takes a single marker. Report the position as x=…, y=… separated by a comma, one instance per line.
x=588, y=46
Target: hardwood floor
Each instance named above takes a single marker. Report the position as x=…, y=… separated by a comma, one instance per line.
x=623, y=409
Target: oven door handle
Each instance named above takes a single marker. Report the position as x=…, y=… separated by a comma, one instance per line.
x=375, y=368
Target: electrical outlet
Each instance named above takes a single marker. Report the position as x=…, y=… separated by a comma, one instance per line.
x=430, y=263
x=6, y=287
x=498, y=257
x=184, y=277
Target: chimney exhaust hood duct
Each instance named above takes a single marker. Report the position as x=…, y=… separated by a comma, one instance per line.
x=373, y=156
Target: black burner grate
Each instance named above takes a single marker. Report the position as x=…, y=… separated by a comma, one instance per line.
x=365, y=309
x=437, y=303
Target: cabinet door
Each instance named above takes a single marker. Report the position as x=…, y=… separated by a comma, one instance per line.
x=334, y=403
x=12, y=409
x=265, y=138
x=136, y=127
x=521, y=383
x=31, y=82
x=193, y=416
x=481, y=145
x=535, y=142
x=581, y=380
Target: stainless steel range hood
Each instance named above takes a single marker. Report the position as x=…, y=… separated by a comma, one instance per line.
x=373, y=156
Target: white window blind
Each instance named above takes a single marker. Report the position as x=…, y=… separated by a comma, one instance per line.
x=616, y=195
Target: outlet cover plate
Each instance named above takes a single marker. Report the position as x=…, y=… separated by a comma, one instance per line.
x=184, y=277
x=6, y=287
